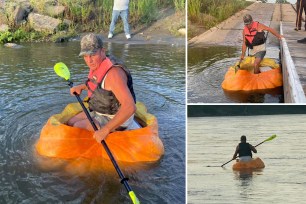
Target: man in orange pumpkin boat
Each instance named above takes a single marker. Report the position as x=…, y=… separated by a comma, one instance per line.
x=244, y=150
x=110, y=91
x=254, y=38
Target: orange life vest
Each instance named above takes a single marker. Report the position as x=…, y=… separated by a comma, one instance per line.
x=252, y=36
x=100, y=99
x=96, y=76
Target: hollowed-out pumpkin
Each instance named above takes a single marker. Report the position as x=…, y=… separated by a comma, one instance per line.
x=244, y=78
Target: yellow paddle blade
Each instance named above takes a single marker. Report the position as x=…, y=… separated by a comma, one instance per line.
x=62, y=70
x=270, y=138
x=133, y=197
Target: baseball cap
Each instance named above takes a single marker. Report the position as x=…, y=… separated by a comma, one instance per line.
x=90, y=44
x=247, y=19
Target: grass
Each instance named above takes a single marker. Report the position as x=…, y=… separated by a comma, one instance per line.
x=95, y=15
x=208, y=13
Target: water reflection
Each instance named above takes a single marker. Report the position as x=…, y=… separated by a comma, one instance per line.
x=200, y=58
x=246, y=175
x=259, y=96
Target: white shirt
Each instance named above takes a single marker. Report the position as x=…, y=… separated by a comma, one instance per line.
x=258, y=48
x=121, y=5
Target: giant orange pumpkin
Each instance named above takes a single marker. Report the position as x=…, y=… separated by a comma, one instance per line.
x=76, y=145
x=253, y=164
x=245, y=79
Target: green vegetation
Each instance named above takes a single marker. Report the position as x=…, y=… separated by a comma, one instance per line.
x=90, y=16
x=208, y=13
x=282, y=2
x=19, y=35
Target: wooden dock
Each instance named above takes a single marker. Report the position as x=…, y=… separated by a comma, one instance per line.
x=293, y=57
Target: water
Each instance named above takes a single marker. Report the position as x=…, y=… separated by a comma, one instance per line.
x=206, y=69
x=212, y=142
x=31, y=92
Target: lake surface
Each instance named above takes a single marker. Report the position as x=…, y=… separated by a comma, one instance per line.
x=31, y=92
x=212, y=142
x=205, y=74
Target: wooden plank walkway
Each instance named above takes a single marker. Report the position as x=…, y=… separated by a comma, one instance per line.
x=297, y=50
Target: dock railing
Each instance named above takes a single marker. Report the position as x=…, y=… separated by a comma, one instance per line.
x=293, y=90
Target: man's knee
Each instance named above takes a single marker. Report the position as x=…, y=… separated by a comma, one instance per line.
x=256, y=64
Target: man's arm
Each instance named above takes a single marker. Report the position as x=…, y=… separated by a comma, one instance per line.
x=274, y=32
x=116, y=81
x=236, y=153
x=253, y=149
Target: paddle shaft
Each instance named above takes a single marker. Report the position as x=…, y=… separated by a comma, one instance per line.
x=109, y=153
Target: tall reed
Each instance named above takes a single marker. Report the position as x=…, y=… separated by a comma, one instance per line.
x=98, y=12
x=211, y=12
x=179, y=5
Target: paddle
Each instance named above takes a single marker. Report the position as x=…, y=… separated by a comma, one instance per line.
x=266, y=140
x=62, y=70
x=237, y=66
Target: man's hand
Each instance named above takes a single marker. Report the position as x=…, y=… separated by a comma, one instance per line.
x=101, y=134
x=77, y=89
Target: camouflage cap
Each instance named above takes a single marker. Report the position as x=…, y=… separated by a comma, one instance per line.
x=90, y=44
x=247, y=19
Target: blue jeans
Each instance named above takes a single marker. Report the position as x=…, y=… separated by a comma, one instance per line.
x=124, y=14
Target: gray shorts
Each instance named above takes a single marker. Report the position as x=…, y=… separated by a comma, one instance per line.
x=103, y=120
x=260, y=54
x=245, y=158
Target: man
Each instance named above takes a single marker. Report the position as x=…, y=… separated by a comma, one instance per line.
x=254, y=38
x=110, y=91
x=121, y=8
x=244, y=150
x=300, y=6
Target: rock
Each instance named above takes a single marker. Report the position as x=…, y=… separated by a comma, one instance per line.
x=4, y=27
x=67, y=22
x=12, y=45
x=182, y=31
x=19, y=14
x=17, y=11
x=3, y=18
x=43, y=23
x=55, y=11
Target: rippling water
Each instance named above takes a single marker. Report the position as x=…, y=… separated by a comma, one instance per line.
x=31, y=92
x=212, y=142
x=206, y=69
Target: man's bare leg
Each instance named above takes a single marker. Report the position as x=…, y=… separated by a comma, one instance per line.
x=256, y=65
x=76, y=118
x=80, y=120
